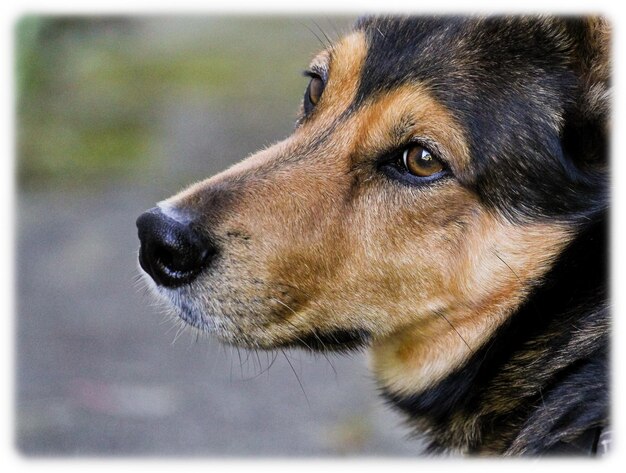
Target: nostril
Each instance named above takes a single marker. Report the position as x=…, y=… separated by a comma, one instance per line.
x=171, y=252
x=180, y=258
x=164, y=257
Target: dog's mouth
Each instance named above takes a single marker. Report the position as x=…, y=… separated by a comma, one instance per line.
x=335, y=340
x=256, y=327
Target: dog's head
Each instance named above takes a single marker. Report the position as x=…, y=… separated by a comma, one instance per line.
x=437, y=168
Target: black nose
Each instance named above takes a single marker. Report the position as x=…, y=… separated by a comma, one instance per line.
x=171, y=252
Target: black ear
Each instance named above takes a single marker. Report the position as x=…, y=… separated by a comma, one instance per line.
x=586, y=130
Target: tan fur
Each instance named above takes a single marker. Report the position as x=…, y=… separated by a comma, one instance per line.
x=498, y=266
x=411, y=104
x=595, y=68
x=331, y=243
x=345, y=60
x=597, y=63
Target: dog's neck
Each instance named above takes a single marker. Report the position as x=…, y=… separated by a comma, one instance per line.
x=557, y=337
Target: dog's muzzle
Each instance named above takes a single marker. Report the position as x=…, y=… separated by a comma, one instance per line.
x=171, y=252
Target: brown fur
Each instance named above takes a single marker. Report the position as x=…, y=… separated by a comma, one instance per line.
x=314, y=239
x=334, y=248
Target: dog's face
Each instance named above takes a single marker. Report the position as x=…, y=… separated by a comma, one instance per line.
x=426, y=188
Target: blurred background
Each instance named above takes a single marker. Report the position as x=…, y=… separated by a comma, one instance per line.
x=113, y=115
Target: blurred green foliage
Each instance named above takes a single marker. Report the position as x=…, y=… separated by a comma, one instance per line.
x=90, y=90
x=67, y=127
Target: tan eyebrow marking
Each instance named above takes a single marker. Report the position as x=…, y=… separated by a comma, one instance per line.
x=319, y=64
x=343, y=64
x=412, y=107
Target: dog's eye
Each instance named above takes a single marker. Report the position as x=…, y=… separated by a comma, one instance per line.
x=414, y=164
x=316, y=87
x=313, y=93
x=420, y=162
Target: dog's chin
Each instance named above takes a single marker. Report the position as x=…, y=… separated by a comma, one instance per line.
x=340, y=340
x=179, y=305
x=210, y=320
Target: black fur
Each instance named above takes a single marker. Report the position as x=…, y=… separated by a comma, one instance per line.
x=338, y=340
x=510, y=82
x=521, y=88
x=531, y=94
x=542, y=378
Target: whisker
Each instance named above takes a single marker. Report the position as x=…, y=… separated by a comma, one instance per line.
x=258, y=358
x=333, y=26
x=507, y=265
x=240, y=363
x=324, y=45
x=175, y=324
x=323, y=33
x=453, y=328
x=231, y=363
x=534, y=305
x=297, y=378
x=267, y=369
x=306, y=344
x=180, y=331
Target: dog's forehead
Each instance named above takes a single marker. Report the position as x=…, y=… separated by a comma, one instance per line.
x=447, y=50
x=400, y=49
x=507, y=82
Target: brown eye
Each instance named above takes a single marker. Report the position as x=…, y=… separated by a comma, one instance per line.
x=314, y=91
x=420, y=162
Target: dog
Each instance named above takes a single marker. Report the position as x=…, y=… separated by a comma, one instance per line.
x=443, y=201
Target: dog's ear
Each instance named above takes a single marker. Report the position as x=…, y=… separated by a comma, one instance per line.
x=586, y=130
